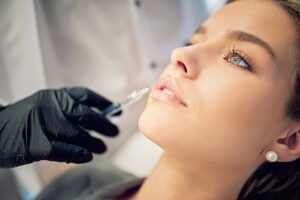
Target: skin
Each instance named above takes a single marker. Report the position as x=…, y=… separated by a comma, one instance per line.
x=234, y=116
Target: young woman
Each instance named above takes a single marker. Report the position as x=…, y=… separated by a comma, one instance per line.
x=225, y=111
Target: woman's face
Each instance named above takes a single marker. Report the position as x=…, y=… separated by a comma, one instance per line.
x=230, y=86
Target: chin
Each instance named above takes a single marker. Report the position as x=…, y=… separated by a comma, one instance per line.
x=157, y=122
x=149, y=123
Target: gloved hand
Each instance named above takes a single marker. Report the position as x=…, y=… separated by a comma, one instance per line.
x=48, y=126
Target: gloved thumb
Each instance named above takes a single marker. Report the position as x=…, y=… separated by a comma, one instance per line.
x=64, y=152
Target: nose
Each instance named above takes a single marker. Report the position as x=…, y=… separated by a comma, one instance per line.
x=185, y=62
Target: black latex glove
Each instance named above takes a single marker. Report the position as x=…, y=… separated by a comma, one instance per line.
x=47, y=126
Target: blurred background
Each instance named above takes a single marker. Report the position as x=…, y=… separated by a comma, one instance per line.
x=112, y=47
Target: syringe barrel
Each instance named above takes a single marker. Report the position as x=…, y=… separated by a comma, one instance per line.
x=132, y=98
x=112, y=109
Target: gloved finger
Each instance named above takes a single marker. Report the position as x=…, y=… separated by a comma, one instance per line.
x=63, y=152
x=84, y=116
x=81, y=138
x=88, y=97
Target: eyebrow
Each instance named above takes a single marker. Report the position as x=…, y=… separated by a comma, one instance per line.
x=243, y=36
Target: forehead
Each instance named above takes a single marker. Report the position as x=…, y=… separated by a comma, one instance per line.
x=263, y=18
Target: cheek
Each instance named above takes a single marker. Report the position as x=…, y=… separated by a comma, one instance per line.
x=235, y=115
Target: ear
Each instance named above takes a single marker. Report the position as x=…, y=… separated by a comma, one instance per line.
x=287, y=146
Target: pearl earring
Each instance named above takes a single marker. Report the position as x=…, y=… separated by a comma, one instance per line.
x=271, y=156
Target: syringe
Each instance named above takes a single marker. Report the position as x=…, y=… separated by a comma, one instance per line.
x=132, y=98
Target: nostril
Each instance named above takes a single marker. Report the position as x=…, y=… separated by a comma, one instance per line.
x=182, y=65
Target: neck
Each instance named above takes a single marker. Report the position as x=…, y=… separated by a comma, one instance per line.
x=173, y=179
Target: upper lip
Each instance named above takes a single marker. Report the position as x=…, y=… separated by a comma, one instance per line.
x=169, y=83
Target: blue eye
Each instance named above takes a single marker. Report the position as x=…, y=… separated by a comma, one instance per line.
x=237, y=59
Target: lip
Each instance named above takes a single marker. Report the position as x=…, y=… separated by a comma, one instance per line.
x=169, y=83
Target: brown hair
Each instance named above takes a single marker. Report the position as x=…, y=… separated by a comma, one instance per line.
x=280, y=180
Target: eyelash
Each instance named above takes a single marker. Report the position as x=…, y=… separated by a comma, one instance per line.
x=187, y=44
x=233, y=52
x=241, y=54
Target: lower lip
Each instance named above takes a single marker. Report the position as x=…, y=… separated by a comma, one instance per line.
x=165, y=97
